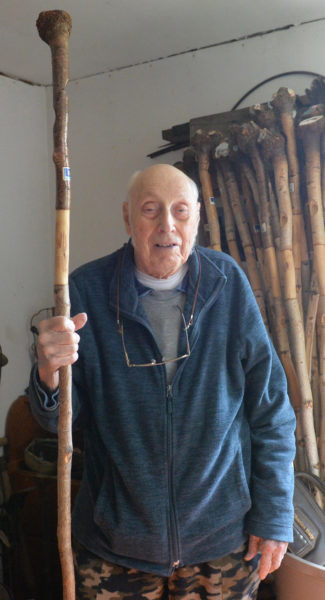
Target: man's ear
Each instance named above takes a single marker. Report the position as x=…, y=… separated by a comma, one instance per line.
x=126, y=217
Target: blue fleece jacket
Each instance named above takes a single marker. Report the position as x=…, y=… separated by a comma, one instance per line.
x=181, y=472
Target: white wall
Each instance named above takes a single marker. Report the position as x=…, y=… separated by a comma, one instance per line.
x=25, y=256
x=115, y=121
x=117, y=118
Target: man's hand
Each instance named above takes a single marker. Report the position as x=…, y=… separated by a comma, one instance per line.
x=272, y=553
x=57, y=346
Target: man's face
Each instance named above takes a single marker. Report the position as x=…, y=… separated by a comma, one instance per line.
x=162, y=219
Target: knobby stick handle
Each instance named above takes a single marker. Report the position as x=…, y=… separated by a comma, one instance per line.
x=54, y=28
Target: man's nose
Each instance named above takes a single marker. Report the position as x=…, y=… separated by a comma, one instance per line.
x=167, y=221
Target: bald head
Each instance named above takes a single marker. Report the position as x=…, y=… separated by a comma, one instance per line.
x=161, y=173
x=161, y=215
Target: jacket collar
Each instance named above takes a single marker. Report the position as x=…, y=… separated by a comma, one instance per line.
x=211, y=278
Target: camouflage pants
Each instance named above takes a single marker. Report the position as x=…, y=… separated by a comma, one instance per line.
x=228, y=578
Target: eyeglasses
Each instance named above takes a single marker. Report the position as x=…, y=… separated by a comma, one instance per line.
x=155, y=363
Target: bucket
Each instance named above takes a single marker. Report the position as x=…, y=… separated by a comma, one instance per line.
x=298, y=579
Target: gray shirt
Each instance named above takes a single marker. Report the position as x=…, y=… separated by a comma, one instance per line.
x=164, y=311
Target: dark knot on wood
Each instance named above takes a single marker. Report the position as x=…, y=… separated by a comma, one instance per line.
x=53, y=23
x=272, y=144
x=264, y=115
x=246, y=135
x=215, y=137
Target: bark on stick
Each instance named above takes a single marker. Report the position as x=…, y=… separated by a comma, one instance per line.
x=54, y=28
x=248, y=180
x=311, y=131
x=321, y=337
x=311, y=320
x=202, y=144
x=284, y=101
x=230, y=227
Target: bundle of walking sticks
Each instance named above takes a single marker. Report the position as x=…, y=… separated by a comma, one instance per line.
x=262, y=185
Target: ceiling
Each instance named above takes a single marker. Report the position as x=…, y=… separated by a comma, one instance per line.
x=113, y=34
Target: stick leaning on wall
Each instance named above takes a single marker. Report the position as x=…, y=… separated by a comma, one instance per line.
x=54, y=28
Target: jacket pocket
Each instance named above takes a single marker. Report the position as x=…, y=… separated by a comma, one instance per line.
x=133, y=525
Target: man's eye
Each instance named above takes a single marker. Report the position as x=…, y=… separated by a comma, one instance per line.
x=182, y=210
x=149, y=210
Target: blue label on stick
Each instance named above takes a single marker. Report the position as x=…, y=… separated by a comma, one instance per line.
x=66, y=174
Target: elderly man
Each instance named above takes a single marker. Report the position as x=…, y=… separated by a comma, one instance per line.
x=188, y=478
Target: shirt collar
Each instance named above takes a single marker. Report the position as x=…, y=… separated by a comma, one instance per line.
x=143, y=290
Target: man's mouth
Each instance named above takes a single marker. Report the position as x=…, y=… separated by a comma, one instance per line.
x=165, y=245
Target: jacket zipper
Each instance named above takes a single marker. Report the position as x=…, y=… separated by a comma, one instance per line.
x=174, y=538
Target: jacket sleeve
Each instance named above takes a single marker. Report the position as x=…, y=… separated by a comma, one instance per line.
x=44, y=403
x=272, y=424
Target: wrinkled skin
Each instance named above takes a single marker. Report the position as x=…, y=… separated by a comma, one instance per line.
x=162, y=217
x=272, y=553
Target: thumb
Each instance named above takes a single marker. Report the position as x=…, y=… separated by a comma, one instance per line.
x=253, y=547
x=79, y=320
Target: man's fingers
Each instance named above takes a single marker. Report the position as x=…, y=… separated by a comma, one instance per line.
x=56, y=324
x=51, y=338
x=79, y=320
x=61, y=324
x=265, y=563
x=253, y=547
x=272, y=553
x=58, y=345
x=60, y=349
x=60, y=331
x=276, y=561
x=278, y=555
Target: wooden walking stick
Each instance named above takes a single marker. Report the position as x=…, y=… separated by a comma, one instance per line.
x=202, y=143
x=311, y=131
x=284, y=101
x=54, y=28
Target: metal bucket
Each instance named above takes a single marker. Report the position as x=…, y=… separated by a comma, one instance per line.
x=298, y=579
